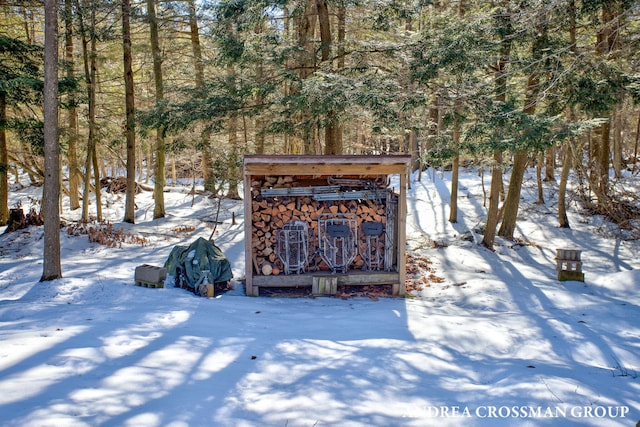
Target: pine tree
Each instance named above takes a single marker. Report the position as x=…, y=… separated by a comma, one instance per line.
x=20, y=84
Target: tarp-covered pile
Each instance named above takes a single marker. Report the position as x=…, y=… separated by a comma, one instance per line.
x=200, y=263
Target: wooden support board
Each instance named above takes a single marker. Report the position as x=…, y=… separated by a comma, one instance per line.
x=324, y=285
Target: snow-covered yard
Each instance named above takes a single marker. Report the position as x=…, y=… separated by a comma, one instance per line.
x=498, y=341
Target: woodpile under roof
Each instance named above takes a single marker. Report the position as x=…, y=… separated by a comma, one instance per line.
x=324, y=222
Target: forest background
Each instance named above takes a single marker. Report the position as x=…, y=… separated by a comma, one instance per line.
x=93, y=89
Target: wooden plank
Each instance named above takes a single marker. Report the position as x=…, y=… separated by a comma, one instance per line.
x=324, y=285
x=248, y=250
x=325, y=165
x=402, y=235
x=315, y=159
x=352, y=278
x=325, y=169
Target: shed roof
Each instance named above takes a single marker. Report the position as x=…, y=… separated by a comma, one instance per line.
x=325, y=164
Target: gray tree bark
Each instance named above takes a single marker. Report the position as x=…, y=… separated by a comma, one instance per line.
x=51, y=191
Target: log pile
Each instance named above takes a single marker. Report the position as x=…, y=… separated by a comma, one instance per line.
x=270, y=213
x=119, y=185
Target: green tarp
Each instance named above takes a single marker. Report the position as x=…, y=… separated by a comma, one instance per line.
x=200, y=262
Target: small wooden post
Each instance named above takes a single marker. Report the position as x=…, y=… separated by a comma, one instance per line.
x=324, y=285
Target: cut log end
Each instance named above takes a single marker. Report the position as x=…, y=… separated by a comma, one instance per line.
x=267, y=269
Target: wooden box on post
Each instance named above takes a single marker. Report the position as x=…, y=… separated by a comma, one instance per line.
x=569, y=265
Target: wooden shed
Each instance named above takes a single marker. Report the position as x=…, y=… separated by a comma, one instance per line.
x=324, y=221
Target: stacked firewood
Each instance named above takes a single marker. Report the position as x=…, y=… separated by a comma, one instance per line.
x=270, y=214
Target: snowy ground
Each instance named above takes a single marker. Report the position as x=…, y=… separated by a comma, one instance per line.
x=498, y=342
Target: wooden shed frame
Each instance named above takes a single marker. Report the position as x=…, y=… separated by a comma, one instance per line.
x=318, y=166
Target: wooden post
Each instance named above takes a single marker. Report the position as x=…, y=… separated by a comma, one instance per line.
x=248, y=265
x=324, y=285
x=400, y=288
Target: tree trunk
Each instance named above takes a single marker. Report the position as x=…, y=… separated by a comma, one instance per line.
x=603, y=156
x=432, y=125
x=563, y=219
x=174, y=173
x=342, y=18
x=606, y=42
x=494, y=200
x=504, y=23
x=51, y=191
x=550, y=165
x=158, y=188
x=325, y=29
x=539, y=180
x=130, y=130
x=72, y=113
x=455, y=163
x=208, y=174
x=4, y=163
x=512, y=202
x=303, y=141
x=89, y=72
x=96, y=182
x=149, y=150
x=635, y=146
x=567, y=158
x=520, y=158
x=331, y=140
x=617, y=143
x=233, y=172
x=455, y=171
x=259, y=124
x=27, y=19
